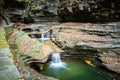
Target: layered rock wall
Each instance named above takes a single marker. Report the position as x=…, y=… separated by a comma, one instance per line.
x=85, y=40
x=32, y=47
x=90, y=11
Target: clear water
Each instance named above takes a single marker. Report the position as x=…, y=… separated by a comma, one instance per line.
x=75, y=70
x=44, y=40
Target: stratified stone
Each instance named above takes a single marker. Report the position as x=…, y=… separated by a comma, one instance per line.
x=32, y=47
x=90, y=11
x=86, y=39
x=111, y=60
x=86, y=35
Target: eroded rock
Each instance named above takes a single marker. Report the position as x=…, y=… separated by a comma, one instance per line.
x=90, y=40
x=111, y=60
x=88, y=35
x=32, y=47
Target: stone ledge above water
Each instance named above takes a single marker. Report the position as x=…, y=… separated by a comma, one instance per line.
x=32, y=47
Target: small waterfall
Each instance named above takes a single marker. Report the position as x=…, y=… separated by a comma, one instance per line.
x=42, y=36
x=56, y=58
x=56, y=61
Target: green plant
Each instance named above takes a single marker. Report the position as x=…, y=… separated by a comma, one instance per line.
x=1, y=2
x=1, y=8
x=26, y=1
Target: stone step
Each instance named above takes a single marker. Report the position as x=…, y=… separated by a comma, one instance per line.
x=4, y=52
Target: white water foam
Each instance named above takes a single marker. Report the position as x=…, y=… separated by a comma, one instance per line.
x=56, y=62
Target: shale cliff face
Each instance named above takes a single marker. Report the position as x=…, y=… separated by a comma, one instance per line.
x=101, y=38
x=68, y=10
x=90, y=10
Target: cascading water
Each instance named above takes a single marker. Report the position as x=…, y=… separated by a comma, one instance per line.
x=42, y=36
x=56, y=58
x=56, y=62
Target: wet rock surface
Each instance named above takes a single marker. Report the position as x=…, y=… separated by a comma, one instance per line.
x=89, y=39
x=8, y=70
x=90, y=10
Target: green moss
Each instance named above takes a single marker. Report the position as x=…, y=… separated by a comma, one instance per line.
x=8, y=31
x=3, y=42
x=26, y=1
x=4, y=46
x=2, y=31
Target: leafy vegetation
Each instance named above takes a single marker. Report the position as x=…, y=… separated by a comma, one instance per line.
x=26, y=1
x=1, y=2
x=1, y=8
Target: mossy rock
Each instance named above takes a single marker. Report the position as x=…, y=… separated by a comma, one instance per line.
x=2, y=31
x=4, y=45
x=8, y=31
x=2, y=37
